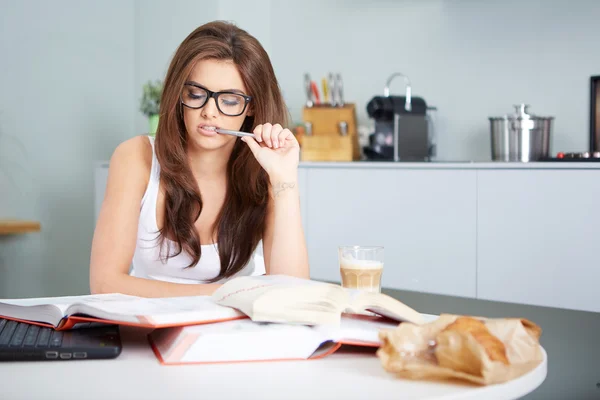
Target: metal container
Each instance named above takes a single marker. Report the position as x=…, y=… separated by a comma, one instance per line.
x=520, y=137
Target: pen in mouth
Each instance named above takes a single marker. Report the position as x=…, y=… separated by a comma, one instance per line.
x=234, y=133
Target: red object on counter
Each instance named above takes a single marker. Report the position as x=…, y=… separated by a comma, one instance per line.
x=560, y=155
x=315, y=91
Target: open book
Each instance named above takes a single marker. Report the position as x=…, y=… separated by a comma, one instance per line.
x=286, y=299
x=64, y=312
x=245, y=340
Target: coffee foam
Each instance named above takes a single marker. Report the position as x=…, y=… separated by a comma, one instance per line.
x=351, y=263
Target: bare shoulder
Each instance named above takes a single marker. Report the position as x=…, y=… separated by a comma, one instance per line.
x=136, y=149
x=131, y=161
x=133, y=154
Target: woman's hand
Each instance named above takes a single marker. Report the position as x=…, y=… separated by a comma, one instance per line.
x=276, y=149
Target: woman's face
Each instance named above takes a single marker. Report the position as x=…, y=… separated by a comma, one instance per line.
x=216, y=76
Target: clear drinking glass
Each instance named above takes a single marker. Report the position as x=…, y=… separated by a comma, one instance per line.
x=361, y=267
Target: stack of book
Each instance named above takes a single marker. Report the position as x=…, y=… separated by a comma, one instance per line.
x=252, y=318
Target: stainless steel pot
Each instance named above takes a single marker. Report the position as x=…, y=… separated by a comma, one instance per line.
x=520, y=137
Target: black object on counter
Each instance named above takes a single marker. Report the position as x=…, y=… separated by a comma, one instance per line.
x=594, y=113
x=381, y=107
x=402, y=126
x=412, y=137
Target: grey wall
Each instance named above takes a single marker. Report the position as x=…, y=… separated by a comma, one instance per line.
x=160, y=26
x=66, y=100
x=472, y=59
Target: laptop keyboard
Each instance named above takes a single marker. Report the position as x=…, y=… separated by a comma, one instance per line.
x=20, y=334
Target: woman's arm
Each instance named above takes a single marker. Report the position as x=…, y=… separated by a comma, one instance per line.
x=116, y=229
x=283, y=242
x=277, y=150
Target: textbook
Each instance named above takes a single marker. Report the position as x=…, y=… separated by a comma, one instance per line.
x=287, y=299
x=246, y=341
x=65, y=312
x=268, y=298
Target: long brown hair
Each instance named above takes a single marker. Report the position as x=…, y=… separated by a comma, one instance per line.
x=241, y=221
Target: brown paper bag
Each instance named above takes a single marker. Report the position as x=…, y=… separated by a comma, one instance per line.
x=428, y=352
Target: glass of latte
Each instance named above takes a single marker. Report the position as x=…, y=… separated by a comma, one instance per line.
x=361, y=267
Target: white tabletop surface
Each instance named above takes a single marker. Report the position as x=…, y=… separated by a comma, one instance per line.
x=137, y=374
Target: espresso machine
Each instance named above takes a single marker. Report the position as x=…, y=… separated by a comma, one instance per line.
x=403, y=126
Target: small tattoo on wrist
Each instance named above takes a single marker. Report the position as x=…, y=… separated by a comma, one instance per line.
x=282, y=186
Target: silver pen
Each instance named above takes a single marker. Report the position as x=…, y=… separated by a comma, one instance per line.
x=234, y=133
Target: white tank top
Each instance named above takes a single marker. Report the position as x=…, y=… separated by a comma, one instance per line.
x=147, y=262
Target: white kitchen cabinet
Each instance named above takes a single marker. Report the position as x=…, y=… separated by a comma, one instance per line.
x=538, y=237
x=425, y=220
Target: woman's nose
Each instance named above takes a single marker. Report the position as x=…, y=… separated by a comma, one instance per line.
x=210, y=109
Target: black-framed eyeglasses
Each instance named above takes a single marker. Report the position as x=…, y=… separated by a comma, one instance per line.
x=228, y=103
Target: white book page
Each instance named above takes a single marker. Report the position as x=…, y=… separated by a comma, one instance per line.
x=241, y=293
x=46, y=309
x=245, y=340
x=361, y=329
x=41, y=303
x=383, y=304
x=61, y=302
x=159, y=310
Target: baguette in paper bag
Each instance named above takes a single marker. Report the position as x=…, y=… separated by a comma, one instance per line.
x=479, y=350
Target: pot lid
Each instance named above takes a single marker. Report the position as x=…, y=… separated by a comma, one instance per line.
x=521, y=113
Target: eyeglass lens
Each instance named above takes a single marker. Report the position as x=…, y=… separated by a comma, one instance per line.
x=228, y=103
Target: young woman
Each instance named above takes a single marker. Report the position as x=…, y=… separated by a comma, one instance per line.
x=192, y=208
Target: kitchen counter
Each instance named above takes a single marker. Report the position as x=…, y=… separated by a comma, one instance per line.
x=546, y=165
x=472, y=165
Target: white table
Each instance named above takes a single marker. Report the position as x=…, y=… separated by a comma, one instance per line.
x=136, y=374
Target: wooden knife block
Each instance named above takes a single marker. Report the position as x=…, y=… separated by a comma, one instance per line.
x=325, y=142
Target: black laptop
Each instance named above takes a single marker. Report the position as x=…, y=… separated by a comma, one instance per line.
x=20, y=341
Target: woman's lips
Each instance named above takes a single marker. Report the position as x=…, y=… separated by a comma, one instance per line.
x=207, y=130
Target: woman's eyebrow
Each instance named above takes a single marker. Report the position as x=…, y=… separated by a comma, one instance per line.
x=203, y=87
